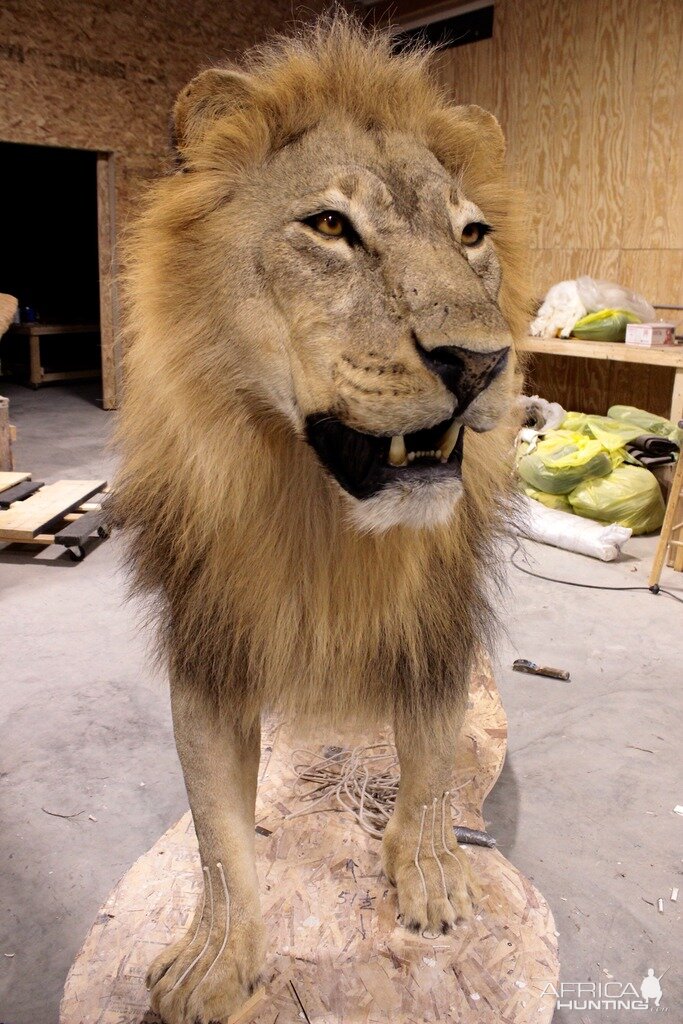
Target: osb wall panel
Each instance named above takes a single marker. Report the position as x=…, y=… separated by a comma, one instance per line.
x=102, y=75
x=590, y=96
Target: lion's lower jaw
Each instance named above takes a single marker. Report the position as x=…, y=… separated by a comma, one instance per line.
x=420, y=506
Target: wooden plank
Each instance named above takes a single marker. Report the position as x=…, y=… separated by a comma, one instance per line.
x=35, y=375
x=106, y=243
x=19, y=493
x=676, y=411
x=46, y=378
x=669, y=355
x=12, y=479
x=42, y=329
x=27, y=519
x=80, y=528
x=5, y=437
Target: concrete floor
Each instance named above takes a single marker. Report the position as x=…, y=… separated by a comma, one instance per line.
x=584, y=806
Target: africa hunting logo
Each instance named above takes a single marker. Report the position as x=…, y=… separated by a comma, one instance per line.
x=610, y=995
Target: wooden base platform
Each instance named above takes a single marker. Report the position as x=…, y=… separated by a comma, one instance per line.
x=336, y=953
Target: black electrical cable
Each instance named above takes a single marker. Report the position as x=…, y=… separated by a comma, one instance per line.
x=656, y=589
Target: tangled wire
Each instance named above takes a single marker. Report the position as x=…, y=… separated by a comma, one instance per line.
x=363, y=781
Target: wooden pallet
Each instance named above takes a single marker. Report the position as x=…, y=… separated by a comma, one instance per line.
x=330, y=914
x=8, y=480
x=57, y=513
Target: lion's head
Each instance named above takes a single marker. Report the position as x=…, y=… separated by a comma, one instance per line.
x=343, y=236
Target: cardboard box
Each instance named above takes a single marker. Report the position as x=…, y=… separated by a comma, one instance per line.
x=650, y=335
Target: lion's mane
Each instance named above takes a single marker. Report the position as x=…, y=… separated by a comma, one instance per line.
x=264, y=595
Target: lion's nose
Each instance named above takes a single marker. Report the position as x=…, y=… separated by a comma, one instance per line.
x=466, y=372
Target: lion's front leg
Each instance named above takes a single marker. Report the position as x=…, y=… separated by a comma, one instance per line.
x=419, y=851
x=213, y=969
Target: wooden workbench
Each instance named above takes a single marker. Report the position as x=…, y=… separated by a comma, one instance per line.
x=609, y=352
x=35, y=332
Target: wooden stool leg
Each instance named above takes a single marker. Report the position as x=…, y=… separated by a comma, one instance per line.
x=669, y=515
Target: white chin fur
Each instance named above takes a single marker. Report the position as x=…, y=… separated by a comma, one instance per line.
x=420, y=506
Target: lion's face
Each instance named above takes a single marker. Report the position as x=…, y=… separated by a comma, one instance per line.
x=380, y=282
x=352, y=279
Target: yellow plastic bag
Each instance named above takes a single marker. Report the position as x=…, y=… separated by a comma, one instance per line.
x=647, y=422
x=612, y=433
x=562, y=460
x=629, y=496
x=558, y=501
x=606, y=325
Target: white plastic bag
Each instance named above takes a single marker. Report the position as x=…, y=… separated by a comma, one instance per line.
x=596, y=295
x=561, y=308
x=565, y=530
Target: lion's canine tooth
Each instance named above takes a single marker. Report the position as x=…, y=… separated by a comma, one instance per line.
x=397, y=451
x=450, y=439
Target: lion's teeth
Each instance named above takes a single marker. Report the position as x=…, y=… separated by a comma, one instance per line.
x=450, y=439
x=397, y=451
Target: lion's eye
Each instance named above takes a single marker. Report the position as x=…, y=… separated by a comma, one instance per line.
x=472, y=234
x=330, y=223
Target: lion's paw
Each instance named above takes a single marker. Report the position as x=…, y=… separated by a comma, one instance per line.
x=431, y=874
x=202, y=980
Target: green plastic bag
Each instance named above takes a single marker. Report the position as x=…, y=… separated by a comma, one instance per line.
x=606, y=325
x=562, y=460
x=558, y=501
x=629, y=496
x=612, y=433
x=647, y=422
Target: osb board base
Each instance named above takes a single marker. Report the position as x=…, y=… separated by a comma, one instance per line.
x=331, y=915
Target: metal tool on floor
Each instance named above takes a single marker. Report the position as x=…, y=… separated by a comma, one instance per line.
x=523, y=665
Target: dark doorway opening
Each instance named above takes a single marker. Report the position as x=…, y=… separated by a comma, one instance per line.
x=49, y=260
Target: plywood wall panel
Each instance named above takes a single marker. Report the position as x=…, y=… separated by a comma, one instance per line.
x=657, y=273
x=589, y=385
x=590, y=98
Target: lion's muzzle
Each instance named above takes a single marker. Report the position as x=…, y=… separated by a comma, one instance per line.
x=466, y=372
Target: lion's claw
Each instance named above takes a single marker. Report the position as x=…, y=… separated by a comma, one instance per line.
x=432, y=875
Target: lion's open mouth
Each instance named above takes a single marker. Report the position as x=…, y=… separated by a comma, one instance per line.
x=365, y=463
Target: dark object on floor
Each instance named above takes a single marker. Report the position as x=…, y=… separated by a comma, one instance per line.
x=76, y=533
x=522, y=665
x=473, y=836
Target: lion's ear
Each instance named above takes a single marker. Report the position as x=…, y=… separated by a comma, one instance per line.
x=468, y=138
x=485, y=128
x=211, y=95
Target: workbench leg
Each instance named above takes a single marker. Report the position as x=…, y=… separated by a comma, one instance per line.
x=36, y=370
x=677, y=396
x=668, y=524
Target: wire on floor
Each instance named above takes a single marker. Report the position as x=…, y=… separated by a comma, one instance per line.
x=656, y=589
